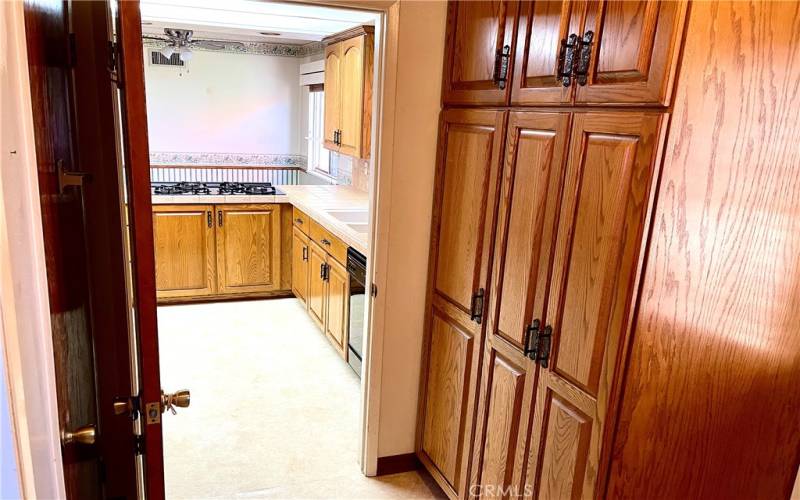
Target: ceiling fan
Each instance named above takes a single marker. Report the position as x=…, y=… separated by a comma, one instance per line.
x=181, y=42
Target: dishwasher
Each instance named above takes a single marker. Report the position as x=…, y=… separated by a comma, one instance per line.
x=357, y=269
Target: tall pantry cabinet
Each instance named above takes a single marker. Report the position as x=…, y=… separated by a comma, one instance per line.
x=539, y=217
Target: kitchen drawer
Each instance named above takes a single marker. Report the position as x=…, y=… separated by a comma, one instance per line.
x=333, y=245
x=301, y=220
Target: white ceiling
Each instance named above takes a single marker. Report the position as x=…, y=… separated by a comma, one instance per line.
x=245, y=20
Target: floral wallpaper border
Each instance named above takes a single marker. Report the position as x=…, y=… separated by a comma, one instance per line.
x=257, y=48
x=227, y=159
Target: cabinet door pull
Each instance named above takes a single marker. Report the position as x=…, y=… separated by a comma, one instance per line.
x=219, y=218
x=584, y=57
x=322, y=271
x=476, y=306
x=501, y=66
x=566, y=60
x=531, y=336
x=305, y=254
x=209, y=218
x=543, y=346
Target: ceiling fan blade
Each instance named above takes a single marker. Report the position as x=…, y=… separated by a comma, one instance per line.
x=208, y=44
x=159, y=38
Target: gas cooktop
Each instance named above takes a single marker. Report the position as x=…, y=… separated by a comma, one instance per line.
x=215, y=188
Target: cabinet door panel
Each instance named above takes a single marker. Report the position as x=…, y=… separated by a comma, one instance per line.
x=248, y=248
x=610, y=171
x=299, y=264
x=316, y=284
x=635, y=51
x=337, y=320
x=184, y=249
x=333, y=94
x=540, y=28
x=476, y=31
x=472, y=142
x=352, y=92
x=463, y=230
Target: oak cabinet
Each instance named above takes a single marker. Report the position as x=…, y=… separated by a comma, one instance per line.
x=185, y=250
x=480, y=37
x=560, y=52
x=466, y=192
x=319, y=258
x=300, y=264
x=217, y=251
x=348, y=91
x=248, y=248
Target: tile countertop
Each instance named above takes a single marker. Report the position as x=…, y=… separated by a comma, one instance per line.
x=311, y=199
x=316, y=200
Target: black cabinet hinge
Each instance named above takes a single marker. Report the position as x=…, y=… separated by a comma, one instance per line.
x=114, y=63
x=476, y=306
x=138, y=444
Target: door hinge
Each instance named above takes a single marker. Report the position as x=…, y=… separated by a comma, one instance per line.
x=114, y=63
x=476, y=306
x=138, y=444
x=373, y=290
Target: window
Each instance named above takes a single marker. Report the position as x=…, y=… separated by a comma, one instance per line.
x=318, y=156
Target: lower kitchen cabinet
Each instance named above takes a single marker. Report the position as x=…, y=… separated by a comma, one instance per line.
x=317, y=258
x=217, y=251
x=184, y=242
x=316, y=283
x=299, y=264
x=338, y=297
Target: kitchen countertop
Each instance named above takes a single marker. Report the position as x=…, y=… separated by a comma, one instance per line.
x=314, y=200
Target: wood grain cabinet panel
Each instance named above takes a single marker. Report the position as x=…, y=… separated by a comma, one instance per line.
x=540, y=28
x=333, y=95
x=300, y=264
x=184, y=250
x=636, y=45
x=463, y=232
x=248, y=248
x=317, y=290
x=609, y=175
x=477, y=32
x=531, y=189
x=337, y=311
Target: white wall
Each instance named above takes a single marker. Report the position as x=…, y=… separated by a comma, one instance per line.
x=225, y=103
x=410, y=182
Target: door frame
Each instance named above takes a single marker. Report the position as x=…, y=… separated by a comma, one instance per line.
x=25, y=322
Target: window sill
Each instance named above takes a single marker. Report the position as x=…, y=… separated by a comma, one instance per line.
x=321, y=175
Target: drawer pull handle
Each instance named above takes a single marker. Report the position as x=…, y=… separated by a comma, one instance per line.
x=219, y=218
x=325, y=241
x=299, y=220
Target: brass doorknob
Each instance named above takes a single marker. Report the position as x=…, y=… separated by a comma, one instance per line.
x=179, y=399
x=83, y=435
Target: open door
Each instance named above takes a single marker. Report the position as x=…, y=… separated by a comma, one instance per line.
x=94, y=185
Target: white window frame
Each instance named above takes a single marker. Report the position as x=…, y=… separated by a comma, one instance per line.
x=318, y=156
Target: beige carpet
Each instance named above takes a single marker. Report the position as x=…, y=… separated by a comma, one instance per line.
x=274, y=410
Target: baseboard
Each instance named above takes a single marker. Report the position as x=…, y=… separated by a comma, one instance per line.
x=397, y=463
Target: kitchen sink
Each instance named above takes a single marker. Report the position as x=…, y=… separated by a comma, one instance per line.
x=350, y=217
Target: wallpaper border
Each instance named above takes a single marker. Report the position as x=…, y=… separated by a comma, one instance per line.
x=167, y=158
x=256, y=48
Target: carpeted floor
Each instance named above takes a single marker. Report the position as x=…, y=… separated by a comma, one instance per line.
x=274, y=411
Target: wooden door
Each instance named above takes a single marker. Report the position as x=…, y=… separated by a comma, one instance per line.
x=541, y=28
x=470, y=147
x=299, y=264
x=248, y=248
x=333, y=94
x=477, y=34
x=710, y=403
x=609, y=175
x=317, y=289
x=635, y=50
x=337, y=317
x=529, y=196
x=185, y=251
x=352, y=92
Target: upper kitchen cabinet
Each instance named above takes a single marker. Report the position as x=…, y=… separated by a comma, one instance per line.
x=478, y=54
x=627, y=52
x=348, y=91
